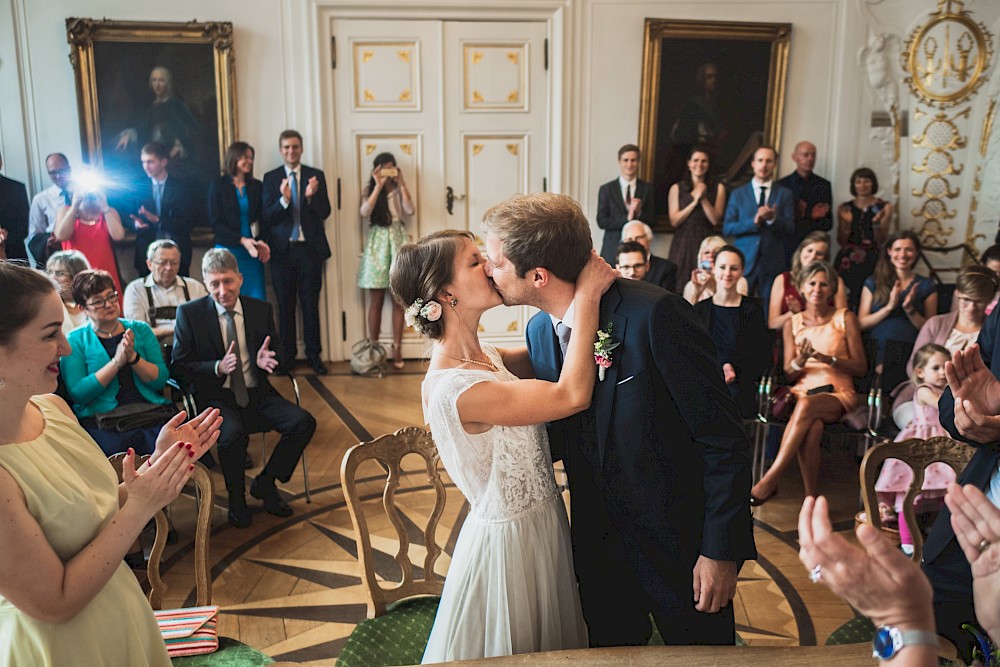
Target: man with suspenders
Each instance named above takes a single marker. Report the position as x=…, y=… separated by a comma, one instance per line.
x=154, y=299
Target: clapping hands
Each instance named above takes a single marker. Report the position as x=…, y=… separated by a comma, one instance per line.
x=126, y=348
x=155, y=485
x=201, y=432
x=976, y=522
x=977, y=396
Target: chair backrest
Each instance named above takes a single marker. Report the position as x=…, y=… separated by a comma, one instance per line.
x=389, y=450
x=918, y=454
x=203, y=527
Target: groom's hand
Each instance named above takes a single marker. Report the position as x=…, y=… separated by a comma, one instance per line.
x=714, y=584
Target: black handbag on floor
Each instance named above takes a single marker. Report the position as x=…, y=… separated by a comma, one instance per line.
x=134, y=415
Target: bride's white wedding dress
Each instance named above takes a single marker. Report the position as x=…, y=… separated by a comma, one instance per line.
x=511, y=587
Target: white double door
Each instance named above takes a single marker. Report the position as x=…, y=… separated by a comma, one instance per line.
x=463, y=107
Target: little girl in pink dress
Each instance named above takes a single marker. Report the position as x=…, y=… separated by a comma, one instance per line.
x=894, y=480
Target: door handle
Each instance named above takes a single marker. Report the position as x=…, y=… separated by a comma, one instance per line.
x=449, y=199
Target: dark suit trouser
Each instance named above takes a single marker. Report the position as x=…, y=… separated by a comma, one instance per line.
x=266, y=411
x=615, y=605
x=951, y=579
x=298, y=274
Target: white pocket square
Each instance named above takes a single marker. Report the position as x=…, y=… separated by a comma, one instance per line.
x=621, y=382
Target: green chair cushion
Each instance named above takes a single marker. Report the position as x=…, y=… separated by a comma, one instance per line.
x=231, y=653
x=858, y=630
x=657, y=639
x=397, y=638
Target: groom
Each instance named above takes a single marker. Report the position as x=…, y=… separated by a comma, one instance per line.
x=659, y=466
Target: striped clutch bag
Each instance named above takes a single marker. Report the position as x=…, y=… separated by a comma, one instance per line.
x=189, y=631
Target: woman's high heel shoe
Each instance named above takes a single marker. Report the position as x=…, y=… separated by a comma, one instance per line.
x=397, y=357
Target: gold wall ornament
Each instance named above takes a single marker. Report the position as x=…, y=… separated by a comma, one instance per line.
x=477, y=97
x=407, y=149
x=404, y=55
x=369, y=95
x=940, y=137
x=512, y=96
x=367, y=55
x=512, y=326
x=476, y=57
x=512, y=56
x=370, y=148
x=477, y=149
x=405, y=96
x=984, y=137
x=512, y=149
x=946, y=57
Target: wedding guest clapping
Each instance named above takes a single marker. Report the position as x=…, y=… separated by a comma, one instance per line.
x=67, y=522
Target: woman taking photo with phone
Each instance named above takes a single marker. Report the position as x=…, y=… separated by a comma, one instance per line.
x=385, y=201
x=823, y=352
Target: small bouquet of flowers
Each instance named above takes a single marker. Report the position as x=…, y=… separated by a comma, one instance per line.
x=602, y=350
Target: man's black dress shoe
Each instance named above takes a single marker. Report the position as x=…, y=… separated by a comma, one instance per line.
x=263, y=488
x=239, y=513
x=318, y=365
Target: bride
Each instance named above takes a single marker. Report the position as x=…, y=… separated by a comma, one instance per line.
x=511, y=587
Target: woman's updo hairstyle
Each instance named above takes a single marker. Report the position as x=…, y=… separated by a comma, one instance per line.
x=24, y=290
x=422, y=270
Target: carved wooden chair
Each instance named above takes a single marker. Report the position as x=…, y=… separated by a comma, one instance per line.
x=231, y=651
x=400, y=613
x=918, y=454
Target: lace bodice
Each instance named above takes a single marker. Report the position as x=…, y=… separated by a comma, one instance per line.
x=503, y=472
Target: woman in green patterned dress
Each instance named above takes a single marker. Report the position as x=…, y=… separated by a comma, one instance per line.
x=385, y=202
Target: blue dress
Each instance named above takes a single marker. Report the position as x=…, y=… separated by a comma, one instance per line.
x=897, y=326
x=252, y=269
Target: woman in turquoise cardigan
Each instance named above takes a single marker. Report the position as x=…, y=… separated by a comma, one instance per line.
x=114, y=362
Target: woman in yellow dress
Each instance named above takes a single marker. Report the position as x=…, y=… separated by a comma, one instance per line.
x=66, y=595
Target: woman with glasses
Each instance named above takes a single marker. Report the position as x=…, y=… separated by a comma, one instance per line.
x=62, y=266
x=114, y=362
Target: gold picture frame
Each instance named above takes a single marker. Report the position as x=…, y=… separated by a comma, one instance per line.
x=681, y=106
x=191, y=110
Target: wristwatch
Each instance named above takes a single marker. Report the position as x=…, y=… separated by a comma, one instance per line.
x=888, y=641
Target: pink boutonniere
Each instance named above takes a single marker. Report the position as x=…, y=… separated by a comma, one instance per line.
x=602, y=350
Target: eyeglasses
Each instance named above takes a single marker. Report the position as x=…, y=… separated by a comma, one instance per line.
x=102, y=302
x=166, y=262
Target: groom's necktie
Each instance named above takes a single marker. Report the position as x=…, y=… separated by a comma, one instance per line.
x=563, y=333
x=763, y=196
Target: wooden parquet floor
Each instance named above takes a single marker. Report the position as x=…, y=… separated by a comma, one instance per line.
x=291, y=587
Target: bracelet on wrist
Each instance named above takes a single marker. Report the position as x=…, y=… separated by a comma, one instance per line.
x=795, y=366
x=135, y=361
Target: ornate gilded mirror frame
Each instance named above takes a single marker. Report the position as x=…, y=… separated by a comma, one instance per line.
x=766, y=67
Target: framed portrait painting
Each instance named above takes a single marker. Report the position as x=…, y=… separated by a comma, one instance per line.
x=716, y=85
x=138, y=82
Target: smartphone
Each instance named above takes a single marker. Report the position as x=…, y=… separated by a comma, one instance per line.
x=824, y=389
x=391, y=172
x=705, y=265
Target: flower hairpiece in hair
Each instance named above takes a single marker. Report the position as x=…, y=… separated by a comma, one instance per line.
x=430, y=311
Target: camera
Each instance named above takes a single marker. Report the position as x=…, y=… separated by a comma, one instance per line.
x=391, y=172
x=705, y=265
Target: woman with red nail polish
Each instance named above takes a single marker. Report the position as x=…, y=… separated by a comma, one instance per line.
x=65, y=521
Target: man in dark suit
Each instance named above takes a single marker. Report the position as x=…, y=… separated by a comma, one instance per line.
x=295, y=207
x=659, y=466
x=13, y=217
x=973, y=419
x=811, y=195
x=624, y=199
x=759, y=216
x=161, y=207
x=222, y=352
x=661, y=271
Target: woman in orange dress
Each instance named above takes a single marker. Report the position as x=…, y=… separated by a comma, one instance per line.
x=823, y=352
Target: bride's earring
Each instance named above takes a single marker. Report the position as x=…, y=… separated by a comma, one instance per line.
x=453, y=302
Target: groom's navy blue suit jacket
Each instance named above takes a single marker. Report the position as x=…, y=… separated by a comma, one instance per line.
x=661, y=445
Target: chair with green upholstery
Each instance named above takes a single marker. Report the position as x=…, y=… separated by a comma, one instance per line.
x=400, y=614
x=231, y=653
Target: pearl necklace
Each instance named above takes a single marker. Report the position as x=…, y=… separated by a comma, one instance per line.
x=487, y=364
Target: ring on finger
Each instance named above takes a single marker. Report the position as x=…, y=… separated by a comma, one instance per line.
x=816, y=574
x=983, y=545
